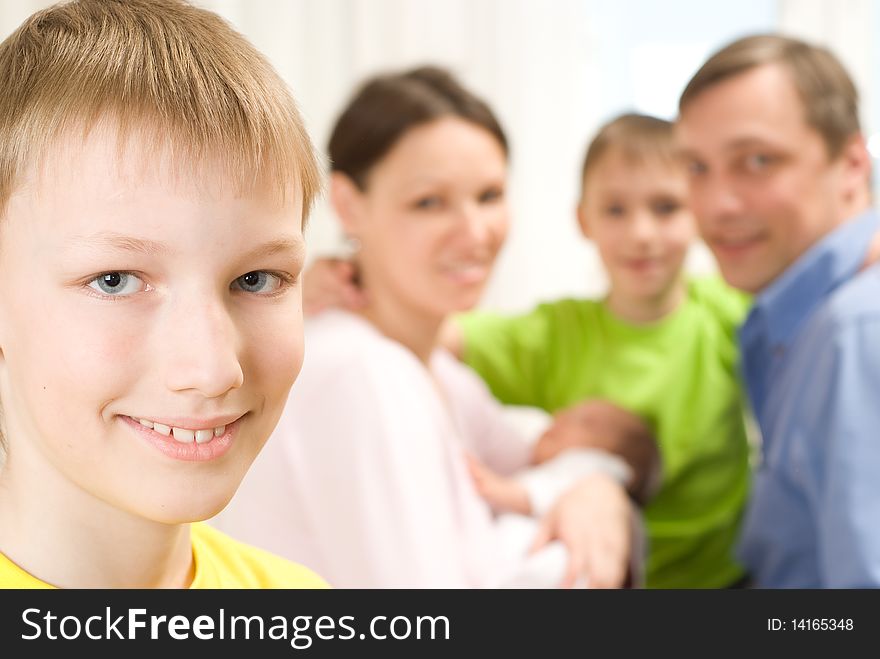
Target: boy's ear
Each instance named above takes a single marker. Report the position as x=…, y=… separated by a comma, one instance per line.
x=347, y=200
x=582, y=220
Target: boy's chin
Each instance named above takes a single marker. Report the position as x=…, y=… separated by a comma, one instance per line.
x=647, y=289
x=184, y=511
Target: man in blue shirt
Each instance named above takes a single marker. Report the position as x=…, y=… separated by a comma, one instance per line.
x=780, y=185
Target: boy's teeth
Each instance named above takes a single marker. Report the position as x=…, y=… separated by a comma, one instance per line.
x=203, y=436
x=184, y=435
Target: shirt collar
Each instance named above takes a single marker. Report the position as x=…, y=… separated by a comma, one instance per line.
x=780, y=309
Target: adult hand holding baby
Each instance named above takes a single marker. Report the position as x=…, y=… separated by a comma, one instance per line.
x=595, y=521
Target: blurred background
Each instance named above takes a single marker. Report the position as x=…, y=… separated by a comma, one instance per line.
x=553, y=70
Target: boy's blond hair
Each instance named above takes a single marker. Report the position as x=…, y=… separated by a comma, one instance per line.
x=637, y=137
x=175, y=75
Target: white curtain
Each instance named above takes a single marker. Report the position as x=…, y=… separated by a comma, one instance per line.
x=847, y=28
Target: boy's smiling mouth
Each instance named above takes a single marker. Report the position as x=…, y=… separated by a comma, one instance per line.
x=189, y=439
x=643, y=264
x=184, y=435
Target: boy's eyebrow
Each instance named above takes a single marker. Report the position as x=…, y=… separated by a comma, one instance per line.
x=114, y=240
x=292, y=244
x=120, y=241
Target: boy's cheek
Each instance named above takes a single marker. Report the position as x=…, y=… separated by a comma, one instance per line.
x=91, y=342
x=65, y=358
x=276, y=345
x=280, y=368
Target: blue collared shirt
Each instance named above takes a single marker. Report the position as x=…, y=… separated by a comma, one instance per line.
x=811, y=362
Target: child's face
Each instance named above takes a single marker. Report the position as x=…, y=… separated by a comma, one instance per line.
x=637, y=216
x=128, y=294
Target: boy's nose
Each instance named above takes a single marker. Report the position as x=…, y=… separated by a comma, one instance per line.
x=202, y=346
x=644, y=226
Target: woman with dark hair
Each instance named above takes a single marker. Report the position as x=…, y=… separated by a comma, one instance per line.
x=366, y=478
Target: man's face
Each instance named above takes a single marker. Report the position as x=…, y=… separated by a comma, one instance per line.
x=763, y=186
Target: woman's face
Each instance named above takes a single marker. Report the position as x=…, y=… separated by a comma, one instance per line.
x=433, y=217
x=150, y=329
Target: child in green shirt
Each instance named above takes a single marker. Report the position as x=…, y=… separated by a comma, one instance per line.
x=658, y=344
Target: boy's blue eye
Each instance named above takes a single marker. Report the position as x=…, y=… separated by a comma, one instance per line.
x=666, y=207
x=259, y=281
x=117, y=284
x=428, y=203
x=615, y=210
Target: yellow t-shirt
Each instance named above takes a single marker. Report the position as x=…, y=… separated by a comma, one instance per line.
x=220, y=562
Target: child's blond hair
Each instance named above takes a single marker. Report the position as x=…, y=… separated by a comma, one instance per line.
x=636, y=137
x=178, y=76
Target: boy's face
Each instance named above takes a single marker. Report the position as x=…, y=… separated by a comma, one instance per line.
x=763, y=187
x=130, y=294
x=636, y=214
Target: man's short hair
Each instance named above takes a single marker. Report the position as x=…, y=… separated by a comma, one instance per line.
x=830, y=99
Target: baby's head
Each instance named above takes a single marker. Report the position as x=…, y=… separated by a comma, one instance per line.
x=634, y=207
x=155, y=176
